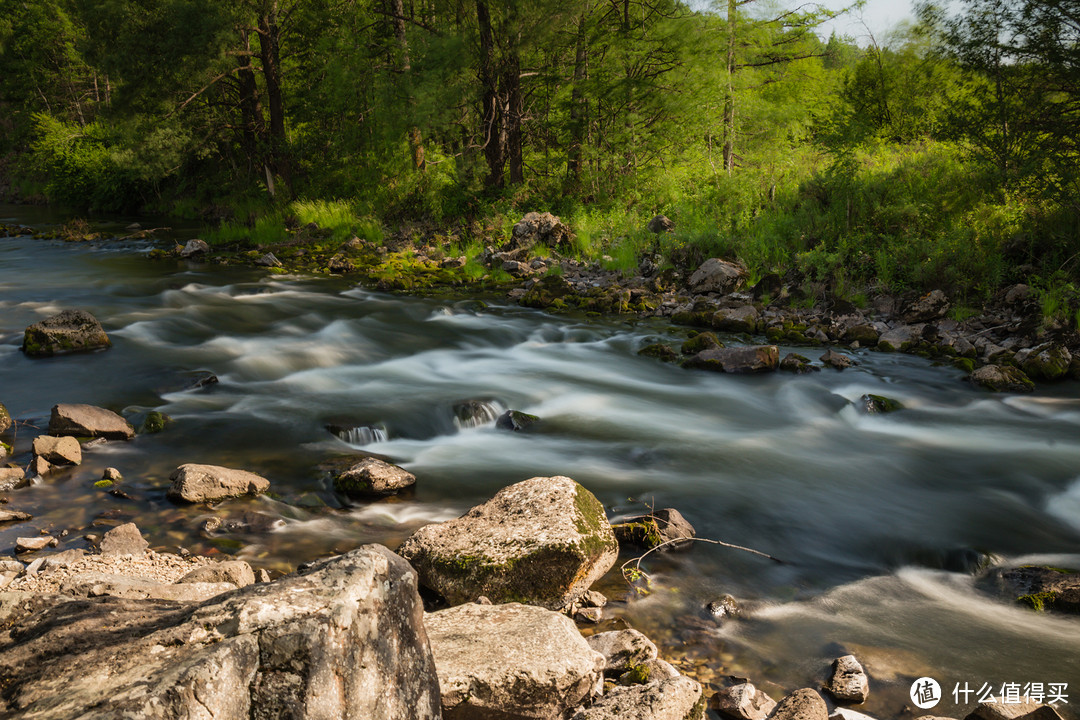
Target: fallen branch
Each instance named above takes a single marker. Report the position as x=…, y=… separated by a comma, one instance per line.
x=636, y=573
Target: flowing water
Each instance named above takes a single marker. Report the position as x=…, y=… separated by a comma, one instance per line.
x=879, y=518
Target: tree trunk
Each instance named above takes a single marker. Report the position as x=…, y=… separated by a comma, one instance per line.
x=251, y=114
x=577, y=109
x=491, y=119
x=512, y=74
x=270, y=53
x=729, y=91
x=416, y=138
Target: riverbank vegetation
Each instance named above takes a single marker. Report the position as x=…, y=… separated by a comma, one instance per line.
x=942, y=156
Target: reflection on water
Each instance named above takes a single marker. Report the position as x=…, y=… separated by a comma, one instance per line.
x=875, y=515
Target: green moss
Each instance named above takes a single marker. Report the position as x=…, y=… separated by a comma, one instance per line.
x=103, y=484
x=701, y=341
x=644, y=534
x=1038, y=601
x=636, y=675
x=659, y=351
x=155, y=422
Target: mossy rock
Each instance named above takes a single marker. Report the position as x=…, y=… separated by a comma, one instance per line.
x=516, y=421
x=546, y=291
x=154, y=423
x=879, y=404
x=66, y=332
x=660, y=351
x=1002, y=378
x=543, y=541
x=5, y=419
x=1049, y=362
x=699, y=342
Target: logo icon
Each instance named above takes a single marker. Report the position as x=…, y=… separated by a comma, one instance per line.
x=925, y=693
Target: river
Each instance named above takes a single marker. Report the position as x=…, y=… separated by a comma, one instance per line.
x=879, y=518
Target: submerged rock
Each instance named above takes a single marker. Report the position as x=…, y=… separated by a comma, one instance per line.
x=511, y=661
x=753, y=359
x=343, y=640
x=372, y=477
x=543, y=541
x=660, y=351
x=879, y=404
x=203, y=483
x=66, y=332
x=678, y=698
x=1002, y=378
x=89, y=421
x=1043, y=588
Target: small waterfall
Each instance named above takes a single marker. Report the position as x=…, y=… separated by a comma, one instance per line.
x=359, y=435
x=475, y=413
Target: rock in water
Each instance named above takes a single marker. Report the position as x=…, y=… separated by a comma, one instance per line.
x=124, y=540
x=678, y=698
x=343, y=640
x=1002, y=378
x=89, y=421
x=202, y=483
x=657, y=528
x=5, y=419
x=58, y=450
x=878, y=404
x=515, y=421
x=194, y=247
x=848, y=682
x=743, y=702
x=804, y=704
x=69, y=331
x=372, y=477
x=835, y=359
x=511, y=661
x=755, y=359
x=719, y=276
x=543, y=541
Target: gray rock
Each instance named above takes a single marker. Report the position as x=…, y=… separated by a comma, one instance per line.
x=1002, y=378
x=848, y=682
x=744, y=319
x=344, y=640
x=726, y=608
x=98, y=584
x=842, y=713
x=66, y=332
x=31, y=544
x=1003, y=711
x=40, y=467
x=5, y=419
x=510, y=661
x=372, y=477
x=719, y=276
x=660, y=224
x=63, y=450
x=203, y=483
x=658, y=670
x=929, y=307
x=63, y=559
x=622, y=649
x=89, y=421
x=542, y=540
x=123, y=540
x=657, y=528
x=589, y=615
x=7, y=515
x=235, y=572
x=539, y=229
x=753, y=359
x=8, y=564
x=804, y=704
x=798, y=364
x=743, y=702
x=194, y=247
x=677, y=698
x=836, y=360
x=898, y=339
x=112, y=474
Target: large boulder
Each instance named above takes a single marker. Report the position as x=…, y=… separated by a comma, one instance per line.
x=543, y=541
x=717, y=276
x=678, y=698
x=68, y=331
x=196, y=483
x=743, y=319
x=89, y=421
x=510, y=662
x=753, y=359
x=343, y=640
x=538, y=229
x=1049, y=361
x=372, y=477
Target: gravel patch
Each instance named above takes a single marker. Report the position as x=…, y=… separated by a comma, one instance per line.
x=161, y=567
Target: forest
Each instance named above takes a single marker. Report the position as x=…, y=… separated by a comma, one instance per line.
x=943, y=155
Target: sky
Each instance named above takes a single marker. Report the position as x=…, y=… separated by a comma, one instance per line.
x=880, y=16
